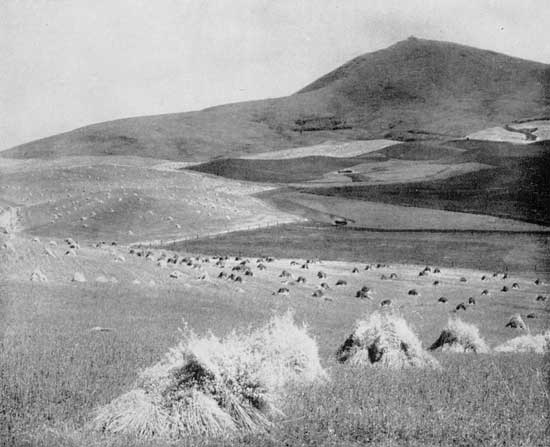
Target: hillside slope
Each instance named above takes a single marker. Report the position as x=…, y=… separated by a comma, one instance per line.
x=427, y=87
x=108, y=198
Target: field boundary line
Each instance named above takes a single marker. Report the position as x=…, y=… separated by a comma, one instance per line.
x=162, y=242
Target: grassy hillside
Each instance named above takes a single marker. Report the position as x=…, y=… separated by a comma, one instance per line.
x=414, y=89
x=104, y=198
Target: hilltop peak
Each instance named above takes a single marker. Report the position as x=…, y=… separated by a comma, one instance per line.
x=411, y=40
x=421, y=68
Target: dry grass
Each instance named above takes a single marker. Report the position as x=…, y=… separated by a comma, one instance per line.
x=54, y=372
x=56, y=365
x=134, y=409
x=473, y=401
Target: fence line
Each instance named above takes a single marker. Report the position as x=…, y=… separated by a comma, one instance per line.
x=162, y=242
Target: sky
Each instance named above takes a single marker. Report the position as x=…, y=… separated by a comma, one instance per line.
x=68, y=63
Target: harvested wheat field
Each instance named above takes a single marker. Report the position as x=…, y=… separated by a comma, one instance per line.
x=329, y=149
x=106, y=346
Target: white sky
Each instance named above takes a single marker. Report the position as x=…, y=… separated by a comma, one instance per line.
x=68, y=63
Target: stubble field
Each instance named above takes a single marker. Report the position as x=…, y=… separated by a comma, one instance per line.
x=55, y=369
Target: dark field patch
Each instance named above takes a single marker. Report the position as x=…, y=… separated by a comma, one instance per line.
x=519, y=187
x=276, y=171
x=492, y=150
x=518, y=252
x=418, y=151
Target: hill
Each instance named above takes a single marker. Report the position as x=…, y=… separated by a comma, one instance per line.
x=415, y=89
x=122, y=199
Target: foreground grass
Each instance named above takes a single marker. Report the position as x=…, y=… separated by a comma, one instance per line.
x=54, y=372
x=50, y=384
x=475, y=400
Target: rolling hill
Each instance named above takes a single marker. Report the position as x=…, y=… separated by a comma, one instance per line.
x=98, y=198
x=415, y=89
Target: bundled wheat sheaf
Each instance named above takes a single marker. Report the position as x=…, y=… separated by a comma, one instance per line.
x=539, y=344
x=460, y=337
x=216, y=387
x=385, y=340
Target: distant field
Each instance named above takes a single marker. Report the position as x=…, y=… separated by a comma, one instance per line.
x=540, y=128
x=401, y=171
x=497, y=251
x=416, y=151
x=499, y=134
x=385, y=216
x=521, y=133
x=497, y=152
x=403, y=162
x=518, y=188
x=498, y=179
x=334, y=170
x=277, y=170
x=331, y=149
